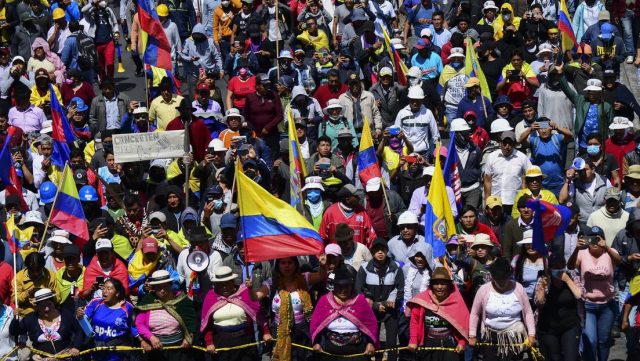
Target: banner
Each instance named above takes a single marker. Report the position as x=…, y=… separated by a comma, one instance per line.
x=148, y=146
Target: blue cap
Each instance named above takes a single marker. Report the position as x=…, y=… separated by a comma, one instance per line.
x=606, y=31
x=228, y=220
x=502, y=100
x=421, y=44
x=80, y=105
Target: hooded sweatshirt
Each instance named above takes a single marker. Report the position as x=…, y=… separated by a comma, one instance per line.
x=206, y=51
x=499, y=24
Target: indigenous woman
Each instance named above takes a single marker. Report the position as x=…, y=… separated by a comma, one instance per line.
x=289, y=287
x=51, y=330
x=439, y=318
x=228, y=317
x=165, y=319
x=343, y=323
x=502, y=309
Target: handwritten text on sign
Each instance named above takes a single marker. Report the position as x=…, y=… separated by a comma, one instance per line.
x=148, y=146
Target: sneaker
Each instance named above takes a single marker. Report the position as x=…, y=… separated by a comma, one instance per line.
x=629, y=59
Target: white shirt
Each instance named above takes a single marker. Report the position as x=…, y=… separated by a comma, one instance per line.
x=420, y=127
x=387, y=10
x=502, y=310
x=62, y=37
x=506, y=174
x=419, y=197
x=29, y=197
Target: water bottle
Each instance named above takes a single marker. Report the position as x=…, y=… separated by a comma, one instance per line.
x=18, y=167
x=86, y=326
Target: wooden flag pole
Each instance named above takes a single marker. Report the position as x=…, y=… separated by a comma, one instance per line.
x=15, y=280
x=46, y=225
x=384, y=191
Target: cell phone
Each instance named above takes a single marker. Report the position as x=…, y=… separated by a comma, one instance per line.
x=324, y=166
x=100, y=280
x=410, y=159
x=394, y=131
x=243, y=152
x=593, y=240
x=546, y=63
x=155, y=230
x=239, y=139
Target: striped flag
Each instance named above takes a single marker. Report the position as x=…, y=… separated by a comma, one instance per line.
x=367, y=160
x=564, y=25
x=67, y=210
x=8, y=174
x=62, y=134
x=400, y=66
x=451, y=174
x=297, y=169
x=155, y=45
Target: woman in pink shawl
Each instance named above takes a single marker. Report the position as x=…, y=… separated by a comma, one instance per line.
x=439, y=318
x=228, y=315
x=343, y=323
x=43, y=57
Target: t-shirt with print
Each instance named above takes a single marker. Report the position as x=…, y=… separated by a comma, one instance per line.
x=110, y=323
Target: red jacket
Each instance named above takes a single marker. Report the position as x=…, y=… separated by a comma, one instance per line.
x=6, y=283
x=359, y=221
x=323, y=94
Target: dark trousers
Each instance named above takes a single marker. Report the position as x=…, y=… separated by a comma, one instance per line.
x=390, y=322
x=561, y=346
x=135, y=56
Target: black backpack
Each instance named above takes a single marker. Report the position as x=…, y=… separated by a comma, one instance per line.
x=87, y=53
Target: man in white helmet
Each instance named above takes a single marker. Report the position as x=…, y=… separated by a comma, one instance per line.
x=408, y=239
x=418, y=123
x=497, y=127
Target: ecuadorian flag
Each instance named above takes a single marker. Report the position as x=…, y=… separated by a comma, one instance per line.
x=569, y=40
x=297, y=170
x=367, y=160
x=155, y=45
x=16, y=236
x=270, y=227
x=67, y=210
x=438, y=219
x=62, y=134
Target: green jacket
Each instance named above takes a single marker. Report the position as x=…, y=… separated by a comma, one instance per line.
x=605, y=111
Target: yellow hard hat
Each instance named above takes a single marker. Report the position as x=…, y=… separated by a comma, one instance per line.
x=162, y=10
x=58, y=14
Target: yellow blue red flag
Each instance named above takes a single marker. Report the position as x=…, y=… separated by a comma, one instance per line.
x=567, y=35
x=438, y=218
x=17, y=237
x=297, y=169
x=67, y=210
x=472, y=69
x=367, y=160
x=271, y=228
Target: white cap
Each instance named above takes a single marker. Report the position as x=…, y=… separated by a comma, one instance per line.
x=459, y=125
x=594, y=85
x=397, y=44
x=386, y=71
x=425, y=32
x=414, y=72
x=217, y=145
x=285, y=54
x=500, y=125
x=313, y=183
x=47, y=127
x=162, y=163
x=59, y=239
x=456, y=52
x=620, y=123
x=544, y=48
x=415, y=92
x=407, y=217
x=60, y=233
x=32, y=217
x=103, y=243
x=527, y=238
x=489, y=5
x=159, y=216
x=140, y=110
x=428, y=170
x=233, y=112
x=373, y=184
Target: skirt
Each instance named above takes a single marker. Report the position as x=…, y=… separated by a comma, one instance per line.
x=347, y=349
x=439, y=355
x=508, y=342
x=113, y=355
x=223, y=340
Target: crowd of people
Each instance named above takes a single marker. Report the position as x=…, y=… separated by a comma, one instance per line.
x=535, y=121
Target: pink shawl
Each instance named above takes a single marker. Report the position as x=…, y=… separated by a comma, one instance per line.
x=453, y=309
x=213, y=302
x=356, y=310
x=52, y=57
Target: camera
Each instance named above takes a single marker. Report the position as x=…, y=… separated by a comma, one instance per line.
x=410, y=159
x=593, y=240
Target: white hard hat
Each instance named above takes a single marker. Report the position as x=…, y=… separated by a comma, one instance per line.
x=217, y=145
x=414, y=72
x=415, y=92
x=500, y=125
x=459, y=125
x=407, y=217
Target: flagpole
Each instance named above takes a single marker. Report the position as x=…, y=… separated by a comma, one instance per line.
x=146, y=87
x=46, y=225
x=15, y=274
x=233, y=186
x=277, y=41
x=384, y=191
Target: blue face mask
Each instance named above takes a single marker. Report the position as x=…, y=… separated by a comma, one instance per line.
x=456, y=64
x=314, y=195
x=217, y=204
x=593, y=149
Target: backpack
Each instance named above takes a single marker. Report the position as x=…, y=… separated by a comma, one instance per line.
x=87, y=53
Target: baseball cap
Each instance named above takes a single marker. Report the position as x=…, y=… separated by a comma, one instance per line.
x=509, y=134
x=42, y=73
x=473, y=81
x=612, y=193
x=385, y=71
x=493, y=201
x=421, y=44
x=159, y=216
x=606, y=31
x=594, y=85
x=333, y=249
x=103, y=243
x=149, y=245
x=80, y=177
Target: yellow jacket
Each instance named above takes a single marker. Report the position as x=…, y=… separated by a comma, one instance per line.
x=319, y=42
x=25, y=284
x=38, y=100
x=498, y=24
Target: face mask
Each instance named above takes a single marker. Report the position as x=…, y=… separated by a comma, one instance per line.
x=217, y=204
x=243, y=72
x=506, y=17
x=593, y=149
x=68, y=81
x=314, y=195
x=334, y=118
x=346, y=63
x=456, y=64
x=102, y=4
x=557, y=273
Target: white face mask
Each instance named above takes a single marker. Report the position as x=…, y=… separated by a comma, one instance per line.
x=226, y=3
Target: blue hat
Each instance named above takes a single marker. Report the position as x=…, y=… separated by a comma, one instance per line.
x=228, y=220
x=286, y=81
x=421, y=44
x=606, y=31
x=502, y=100
x=79, y=104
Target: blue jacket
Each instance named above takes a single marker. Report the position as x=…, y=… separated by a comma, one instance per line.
x=183, y=14
x=578, y=19
x=69, y=54
x=72, y=12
